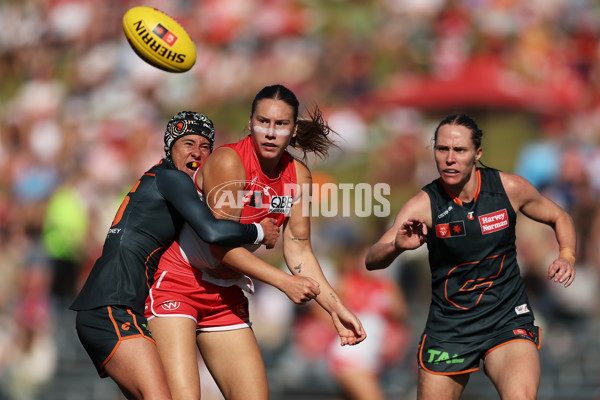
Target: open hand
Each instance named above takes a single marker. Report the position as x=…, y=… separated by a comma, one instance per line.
x=562, y=271
x=411, y=235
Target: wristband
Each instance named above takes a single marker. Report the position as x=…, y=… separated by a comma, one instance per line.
x=568, y=254
x=260, y=234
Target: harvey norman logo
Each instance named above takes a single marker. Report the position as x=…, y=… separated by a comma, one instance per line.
x=493, y=222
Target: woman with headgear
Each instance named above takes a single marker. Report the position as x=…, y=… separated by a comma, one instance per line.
x=110, y=307
x=213, y=313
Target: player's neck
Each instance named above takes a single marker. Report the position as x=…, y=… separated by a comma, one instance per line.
x=270, y=166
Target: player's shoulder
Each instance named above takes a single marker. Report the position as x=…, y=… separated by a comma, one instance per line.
x=301, y=166
x=303, y=174
x=518, y=189
x=418, y=206
x=223, y=164
x=513, y=182
x=224, y=157
x=420, y=202
x=166, y=173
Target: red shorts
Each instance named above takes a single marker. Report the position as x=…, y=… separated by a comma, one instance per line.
x=214, y=308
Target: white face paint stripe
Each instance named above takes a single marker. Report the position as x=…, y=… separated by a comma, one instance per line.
x=265, y=131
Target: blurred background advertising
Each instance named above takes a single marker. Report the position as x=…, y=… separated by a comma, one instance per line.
x=82, y=117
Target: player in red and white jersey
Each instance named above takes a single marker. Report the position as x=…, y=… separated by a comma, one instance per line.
x=197, y=301
x=260, y=197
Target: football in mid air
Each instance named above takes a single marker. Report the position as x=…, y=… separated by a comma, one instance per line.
x=158, y=39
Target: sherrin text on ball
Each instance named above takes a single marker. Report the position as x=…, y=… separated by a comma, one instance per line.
x=158, y=39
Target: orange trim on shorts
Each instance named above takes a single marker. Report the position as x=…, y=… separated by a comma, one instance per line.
x=110, y=316
x=422, y=364
x=121, y=339
x=138, y=328
x=516, y=340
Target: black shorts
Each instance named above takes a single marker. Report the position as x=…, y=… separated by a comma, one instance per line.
x=450, y=358
x=102, y=329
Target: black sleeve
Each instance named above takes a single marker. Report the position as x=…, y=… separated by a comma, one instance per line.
x=179, y=190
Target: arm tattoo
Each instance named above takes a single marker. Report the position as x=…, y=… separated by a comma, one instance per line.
x=299, y=239
x=298, y=268
x=332, y=295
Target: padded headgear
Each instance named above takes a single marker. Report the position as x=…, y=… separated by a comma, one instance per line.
x=188, y=123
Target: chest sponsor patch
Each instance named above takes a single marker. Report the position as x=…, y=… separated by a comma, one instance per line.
x=281, y=204
x=452, y=229
x=493, y=222
x=264, y=197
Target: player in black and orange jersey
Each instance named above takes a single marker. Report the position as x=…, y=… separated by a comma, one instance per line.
x=479, y=309
x=110, y=307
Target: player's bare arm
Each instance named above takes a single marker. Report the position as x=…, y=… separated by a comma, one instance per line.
x=299, y=257
x=525, y=198
x=408, y=232
x=225, y=166
x=224, y=170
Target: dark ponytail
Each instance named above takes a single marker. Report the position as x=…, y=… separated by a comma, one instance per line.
x=313, y=134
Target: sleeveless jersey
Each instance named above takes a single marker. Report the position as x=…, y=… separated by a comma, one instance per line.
x=263, y=197
x=476, y=284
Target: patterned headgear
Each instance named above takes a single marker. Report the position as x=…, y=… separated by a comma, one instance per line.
x=188, y=123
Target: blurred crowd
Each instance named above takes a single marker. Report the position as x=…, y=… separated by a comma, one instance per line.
x=82, y=117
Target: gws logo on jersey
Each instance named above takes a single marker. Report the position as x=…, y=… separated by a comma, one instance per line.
x=493, y=222
x=170, y=305
x=452, y=229
x=229, y=198
x=467, y=283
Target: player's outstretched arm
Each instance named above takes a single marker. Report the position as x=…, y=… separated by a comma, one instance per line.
x=408, y=232
x=529, y=201
x=301, y=261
